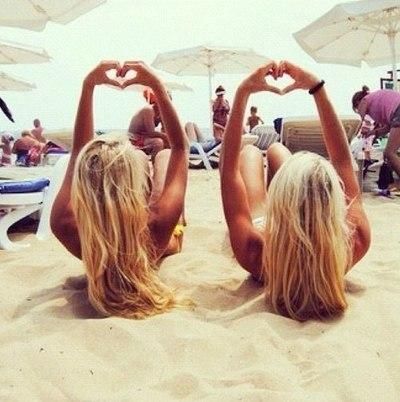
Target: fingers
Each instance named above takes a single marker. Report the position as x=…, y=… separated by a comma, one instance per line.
x=110, y=65
x=131, y=65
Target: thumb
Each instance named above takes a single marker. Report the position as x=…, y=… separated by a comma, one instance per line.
x=290, y=88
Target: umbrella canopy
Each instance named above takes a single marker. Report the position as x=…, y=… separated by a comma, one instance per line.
x=34, y=14
x=209, y=60
x=15, y=53
x=170, y=85
x=353, y=32
x=10, y=83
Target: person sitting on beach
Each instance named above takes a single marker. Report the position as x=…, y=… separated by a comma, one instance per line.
x=301, y=230
x=142, y=129
x=6, y=141
x=28, y=149
x=37, y=131
x=383, y=106
x=111, y=215
x=220, y=108
x=253, y=120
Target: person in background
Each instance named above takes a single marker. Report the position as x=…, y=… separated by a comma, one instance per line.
x=383, y=106
x=142, y=128
x=28, y=149
x=6, y=147
x=220, y=109
x=253, y=120
x=37, y=131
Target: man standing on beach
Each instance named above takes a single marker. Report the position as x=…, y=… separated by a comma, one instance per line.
x=37, y=131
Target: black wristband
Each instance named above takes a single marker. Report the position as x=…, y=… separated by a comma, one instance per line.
x=316, y=88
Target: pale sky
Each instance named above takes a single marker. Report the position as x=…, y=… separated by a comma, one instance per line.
x=140, y=29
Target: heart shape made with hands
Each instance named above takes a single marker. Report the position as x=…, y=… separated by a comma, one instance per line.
x=280, y=84
x=114, y=75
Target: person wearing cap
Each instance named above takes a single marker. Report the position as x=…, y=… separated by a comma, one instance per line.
x=220, y=110
x=142, y=129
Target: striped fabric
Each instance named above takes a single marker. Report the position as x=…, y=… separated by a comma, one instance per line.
x=266, y=136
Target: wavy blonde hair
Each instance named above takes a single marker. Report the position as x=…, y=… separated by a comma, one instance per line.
x=307, y=250
x=109, y=197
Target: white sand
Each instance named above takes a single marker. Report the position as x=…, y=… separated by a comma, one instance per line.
x=229, y=348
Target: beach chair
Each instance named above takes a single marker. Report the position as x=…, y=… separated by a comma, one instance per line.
x=199, y=152
x=29, y=197
x=207, y=153
x=305, y=133
x=266, y=136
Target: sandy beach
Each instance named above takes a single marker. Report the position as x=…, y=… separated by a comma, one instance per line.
x=229, y=347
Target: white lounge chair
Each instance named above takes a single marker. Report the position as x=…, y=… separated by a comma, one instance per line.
x=198, y=153
x=19, y=205
x=213, y=154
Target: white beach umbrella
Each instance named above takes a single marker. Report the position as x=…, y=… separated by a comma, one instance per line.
x=209, y=60
x=15, y=53
x=34, y=14
x=10, y=83
x=353, y=32
x=170, y=85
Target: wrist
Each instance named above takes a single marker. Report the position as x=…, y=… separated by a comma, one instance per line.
x=88, y=84
x=316, y=87
x=243, y=90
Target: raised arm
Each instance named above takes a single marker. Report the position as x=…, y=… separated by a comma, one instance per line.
x=62, y=219
x=339, y=153
x=245, y=239
x=335, y=138
x=169, y=206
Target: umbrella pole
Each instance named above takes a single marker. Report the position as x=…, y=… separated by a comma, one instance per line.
x=392, y=38
x=210, y=100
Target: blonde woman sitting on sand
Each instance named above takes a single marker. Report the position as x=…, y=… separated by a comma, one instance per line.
x=314, y=228
x=115, y=217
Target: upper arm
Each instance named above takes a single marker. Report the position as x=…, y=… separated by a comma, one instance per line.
x=167, y=210
x=247, y=242
x=361, y=236
x=62, y=219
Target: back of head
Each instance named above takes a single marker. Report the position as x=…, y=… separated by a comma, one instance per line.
x=307, y=248
x=109, y=197
x=358, y=96
x=253, y=109
x=220, y=90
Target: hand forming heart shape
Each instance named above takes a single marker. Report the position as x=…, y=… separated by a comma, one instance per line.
x=300, y=79
x=131, y=72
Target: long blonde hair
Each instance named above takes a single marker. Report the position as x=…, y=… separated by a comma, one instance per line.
x=307, y=251
x=109, y=196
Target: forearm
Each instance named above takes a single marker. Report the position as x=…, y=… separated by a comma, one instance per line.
x=334, y=135
x=233, y=132
x=380, y=132
x=173, y=127
x=83, y=130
